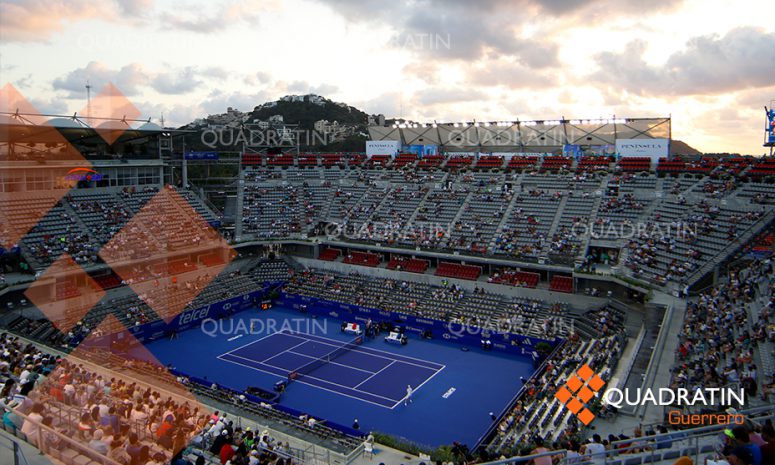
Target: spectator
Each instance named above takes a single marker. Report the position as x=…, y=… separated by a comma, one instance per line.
x=30, y=426
x=744, y=447
x=595, y=449
x=540, y=449
x=226, y=453
x=768, y=449
x=98, y=444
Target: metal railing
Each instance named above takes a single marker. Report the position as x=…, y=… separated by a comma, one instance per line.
x=11, y=452
x=59, y=445
x=650, y=449
x=628, y=369
x=659, y=348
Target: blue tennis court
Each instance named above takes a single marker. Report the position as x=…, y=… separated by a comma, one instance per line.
x=370, y=375
x=454, y=390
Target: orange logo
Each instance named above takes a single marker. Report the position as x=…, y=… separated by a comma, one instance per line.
x=578, y=390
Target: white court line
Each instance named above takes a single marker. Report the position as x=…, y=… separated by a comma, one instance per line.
x=367, y=350
x=315, y=386
x=253, y=342
x=329, y=362
x=290, y=349
x=421, y=385
x=335, y=343
x=375, y=374
x=312, y=377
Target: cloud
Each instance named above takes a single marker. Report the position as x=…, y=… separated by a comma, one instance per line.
x=448, y=95
x=131, y=78
x=510, y=74
x=127, y=79
x=387, y=103
x=744, y=58
x=54, y=106
x=198, y=24
x=225, y=16
x=466, y=30
x=259, y=77
x=304, y=87
x=136, y=8
x=453, y=29
x=175, y=115
x=218, y=101
x=37, y=20
x=178, y=81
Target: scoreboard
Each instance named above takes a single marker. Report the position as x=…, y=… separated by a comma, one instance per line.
x=770, y=126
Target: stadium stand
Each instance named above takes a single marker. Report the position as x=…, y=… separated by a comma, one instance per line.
x=663, y=227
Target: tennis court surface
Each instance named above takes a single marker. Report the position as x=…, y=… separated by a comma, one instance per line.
x=454, y=390
x=362, y=373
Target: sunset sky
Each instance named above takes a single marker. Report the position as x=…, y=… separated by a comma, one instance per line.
x=710, y=64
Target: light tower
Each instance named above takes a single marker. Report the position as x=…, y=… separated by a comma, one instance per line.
x=88, y=100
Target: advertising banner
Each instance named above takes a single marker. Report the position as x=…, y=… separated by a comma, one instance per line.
x=652, y=148
x=382, y=147
x=502, y=341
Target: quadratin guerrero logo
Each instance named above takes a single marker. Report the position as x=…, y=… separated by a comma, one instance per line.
x=584, y=384
x=578, y=390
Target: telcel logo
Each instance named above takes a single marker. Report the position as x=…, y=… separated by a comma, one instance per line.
x=83, y=174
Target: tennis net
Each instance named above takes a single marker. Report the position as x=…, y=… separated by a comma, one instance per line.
x=319, y=362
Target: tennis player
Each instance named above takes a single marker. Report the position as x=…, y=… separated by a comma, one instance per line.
x=409, y=392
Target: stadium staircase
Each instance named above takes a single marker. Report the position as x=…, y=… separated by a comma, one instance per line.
x=587, y=239
x=505, y=219
x=558, y=216
x=462, y=208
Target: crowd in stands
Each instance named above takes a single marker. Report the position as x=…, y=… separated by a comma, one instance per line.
x=133, y=311
x=116, y=417
x=445, y=302
x=46, y=399
x=83, y=222
x=527, y=216
x=725, y=328
x=538, y=417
